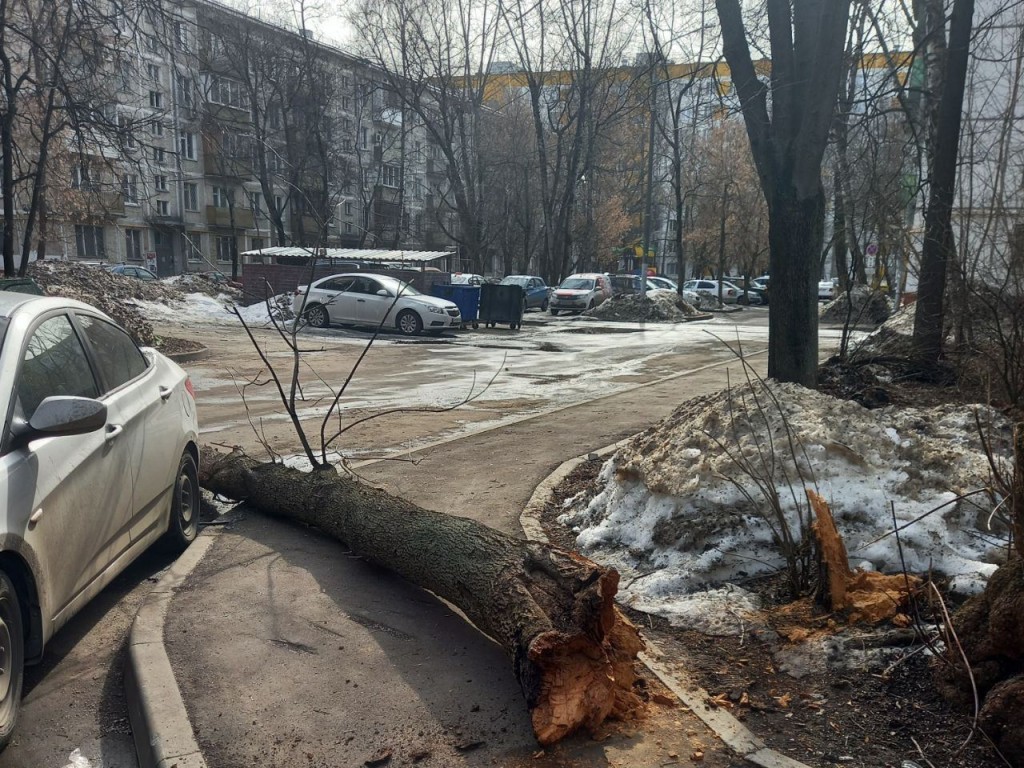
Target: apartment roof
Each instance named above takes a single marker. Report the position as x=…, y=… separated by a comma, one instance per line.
x=352, y=254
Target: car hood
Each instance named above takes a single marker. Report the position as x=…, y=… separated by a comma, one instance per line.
x=430, y=301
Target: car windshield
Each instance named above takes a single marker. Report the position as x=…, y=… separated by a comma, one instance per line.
x=577, y=284
x=397, y=287
x=3, y=332
x=522, y=282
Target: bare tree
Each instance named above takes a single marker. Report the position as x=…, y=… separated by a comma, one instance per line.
x=807, y=42
x=939, y=248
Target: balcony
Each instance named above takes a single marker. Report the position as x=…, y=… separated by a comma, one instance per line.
x=221, y=217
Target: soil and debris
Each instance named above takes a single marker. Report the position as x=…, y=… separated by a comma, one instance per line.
x=656, y=306
x=812, y=687
x=116, y=295
x=860, y=307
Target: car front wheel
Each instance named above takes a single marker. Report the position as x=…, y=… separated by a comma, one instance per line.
x=409, y=323
x=317, y=316
x=184, y=523
x=554, y=311
x=544, y=306
x=12, y=658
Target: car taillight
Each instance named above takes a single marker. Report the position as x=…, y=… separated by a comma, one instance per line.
x=189, y=388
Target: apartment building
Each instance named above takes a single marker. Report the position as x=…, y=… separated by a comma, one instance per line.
x=241, y=135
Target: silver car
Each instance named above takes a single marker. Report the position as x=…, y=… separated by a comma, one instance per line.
x=372, y=300
x=98, y=460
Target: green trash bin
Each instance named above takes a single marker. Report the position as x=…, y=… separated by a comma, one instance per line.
x=500, y=304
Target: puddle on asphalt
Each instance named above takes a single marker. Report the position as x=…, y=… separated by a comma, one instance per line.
x=603, y=330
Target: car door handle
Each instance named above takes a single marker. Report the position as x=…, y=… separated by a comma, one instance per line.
x=165, y=392
x=361, y=301
x=113, y=430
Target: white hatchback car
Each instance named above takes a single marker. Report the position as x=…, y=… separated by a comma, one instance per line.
x=98, y=460
x=361, y=298
x=580, y=292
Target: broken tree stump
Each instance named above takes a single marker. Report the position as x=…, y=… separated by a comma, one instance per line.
x=866, y=596
x=552, y=610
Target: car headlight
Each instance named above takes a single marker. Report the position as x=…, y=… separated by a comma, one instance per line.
x=435, y=310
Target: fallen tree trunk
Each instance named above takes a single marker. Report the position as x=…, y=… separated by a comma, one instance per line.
x=551, y=610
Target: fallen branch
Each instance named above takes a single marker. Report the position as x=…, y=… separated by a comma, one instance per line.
x=551, y=610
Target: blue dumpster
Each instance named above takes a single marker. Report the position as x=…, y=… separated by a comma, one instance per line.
x=465, y=297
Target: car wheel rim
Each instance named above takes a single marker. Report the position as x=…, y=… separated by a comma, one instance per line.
x=186, y=500
x=408, y=324
x=6, y=655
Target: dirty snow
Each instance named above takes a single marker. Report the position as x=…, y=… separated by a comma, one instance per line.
x=677, y=514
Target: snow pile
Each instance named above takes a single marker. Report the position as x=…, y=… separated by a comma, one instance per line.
x=656, y=306
x=207, y=283
x=671, y=517
x=893, y=338
x=859, y=306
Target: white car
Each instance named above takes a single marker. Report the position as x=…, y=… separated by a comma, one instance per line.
x=466, y=278
x=662, y=282
x=98, y=460
x=361, y=298
x=709, y=289
x=827, y=289
x=578, y=293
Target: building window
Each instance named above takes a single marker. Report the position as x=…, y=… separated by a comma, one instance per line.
x=158, y=128
x=126, y=131
x=181, y=40
x=365, y=136
x=221, y=198
x=226, y=92
x=163, y=208
x=154, y=72
x=130, y=189
x=225, y=248
x=191, y=197
x=255, y=203
x=184, y=85
x=187, y=145
x=82, y=179
x=158, y=238
x=193, y=246
x=160, y=183
x=346, y=103
x=348, y=209
x=348, y=226
x=256, y=243
x=391, y=176
x=156, y=100
x=133, y=244
x=159, y=155
x=89, y=242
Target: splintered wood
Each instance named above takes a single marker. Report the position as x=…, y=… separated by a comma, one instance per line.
x=866, y=596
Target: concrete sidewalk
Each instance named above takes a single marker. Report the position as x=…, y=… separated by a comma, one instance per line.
x=289, y=651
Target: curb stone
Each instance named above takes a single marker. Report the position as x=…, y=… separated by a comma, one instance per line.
x=160, y=725
x=187, y=357
x=731, y=731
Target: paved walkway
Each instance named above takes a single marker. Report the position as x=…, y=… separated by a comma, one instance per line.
x=291, y=652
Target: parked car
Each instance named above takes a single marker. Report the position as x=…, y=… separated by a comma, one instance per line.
x=130, y=270
x=580, y=292
x=827, y=289
x=536, y=291
x=662, y=282
x=709, y=289
x=98, y=461
x=465, y=278
x=752, y=295
x=366, y=299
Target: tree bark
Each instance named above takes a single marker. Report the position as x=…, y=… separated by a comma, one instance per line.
x=938, y=249
x=795, y=233
x=1017, y=502
x=551, y=610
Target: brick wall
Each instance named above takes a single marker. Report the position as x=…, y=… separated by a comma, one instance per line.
x=285, y=278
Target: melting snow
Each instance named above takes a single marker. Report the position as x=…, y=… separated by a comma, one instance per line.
x=680, y=511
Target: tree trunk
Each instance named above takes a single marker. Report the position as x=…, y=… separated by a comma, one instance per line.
x=1017, y=502
x=551, y=610
x=938, y=249
x=795, y=232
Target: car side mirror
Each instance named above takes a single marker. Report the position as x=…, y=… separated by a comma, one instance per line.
x=60, y=416
x=383, y=292
x=68, y=416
